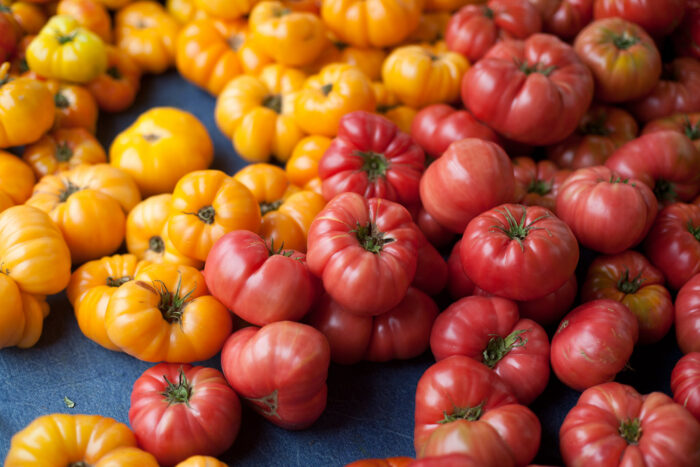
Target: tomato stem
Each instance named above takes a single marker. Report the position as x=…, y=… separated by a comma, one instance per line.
x=327, y=88
x=595, y=126
x=280, y=12
x=236, y=41
x=117, y=281
x=266, y=207
x=624, y=41
x=79, y=464
x=61, y=101
x=374, y=163
x=498, y=347
x=694, y=231
x=273, y=102
x=172, y=304
x=179, y=393
x=627, y=285
x=631, y=430
x=114, y=73
x=518, y=231
x=471, y=414
x=70, y=188
x=156, y=244
x=536, y=68
x=371, y=238
x=266, y=405
x=541, y=187
x=665, y=190
x=63, y=152
x=150, y=137
x=271, y=251
x=488, y=12
x=691, y=131
x=64, y=39
x=207, y=214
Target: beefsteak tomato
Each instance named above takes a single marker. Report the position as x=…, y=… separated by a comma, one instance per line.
x=685, y=383
x=688, y=316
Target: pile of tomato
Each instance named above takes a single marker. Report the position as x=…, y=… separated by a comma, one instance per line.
x=503, y=135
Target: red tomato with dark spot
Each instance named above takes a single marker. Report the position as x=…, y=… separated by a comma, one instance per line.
x=688, y=316
x=685, y=383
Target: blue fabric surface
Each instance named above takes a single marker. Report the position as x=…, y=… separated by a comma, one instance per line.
x=370, y=406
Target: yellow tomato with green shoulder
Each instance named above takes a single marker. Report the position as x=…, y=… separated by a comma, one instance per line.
x=65, y=50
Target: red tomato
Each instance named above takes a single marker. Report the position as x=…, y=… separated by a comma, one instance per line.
x=435, y=233
x=280, y=370
x=678, y=91
x=593, y=343
x=431, y=270
x=673, y=243
x=624, y=60
x=365, y=251
x=459, y=388
x=458, y=283
x=439, y=125
x=372, y=157
x=257, y=282
x=612, y=424
x=666, y=161
x=685, y=383
x=519, y=252
x=606, y=212
x=688, y=316
x=537, y=183
x=686, y=38
x=657, y=17
x=474, y=29
x=602, y=130
x=472, y=176
x=532, y=91
x=489, y=330
x=178, y=411
x=630, y=279
x=564, y=18
x=687, y=124
x=399, y=334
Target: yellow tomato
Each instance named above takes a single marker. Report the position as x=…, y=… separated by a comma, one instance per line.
x=388, y=104
x=63, y=150
x=21, y=316
x=226, y=9
x=65, y=50
x=15, y=180
x=184, y=10
x=419, y=76
x=91, y=14
x=337, y=90
x=302, y=167
x=201, y=461
x=161, y=146
x=369, y=60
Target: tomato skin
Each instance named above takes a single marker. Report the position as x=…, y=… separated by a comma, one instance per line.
x=630, y=279
x=593, y=343
x=462, y=460
x=666, y=161
x=436, y=234
x=372, y=157
x=607, y=213
x=685, y=383
x=437, y=126
x=688, y=316
x=257, y=283
x=431, y=270
x=389, y=462
x=457, y=383
x=205, y=422
x=600, y=430
x=538, y=264
x=201, y=461
x=686, y=37
x=471, y=176
x=336, y=253
x=473, y=325
x=657, y=17
x=280, y=370
x=458, y=283
x=564, y=18
x=474, y=29
x=687, y=124
x=540, y=107
x=537, y=183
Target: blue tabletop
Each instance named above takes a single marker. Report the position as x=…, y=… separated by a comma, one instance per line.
x=370, y=406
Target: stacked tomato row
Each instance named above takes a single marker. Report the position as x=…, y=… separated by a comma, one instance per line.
x=299, y=82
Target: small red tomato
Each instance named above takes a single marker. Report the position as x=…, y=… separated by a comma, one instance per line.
x=685, y=383
x=280, y=370
x=688, y=316
x=178, y=411
x=593, y=343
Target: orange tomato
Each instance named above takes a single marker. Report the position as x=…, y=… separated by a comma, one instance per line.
x=63, y=150
x=211, y=52
x=161, y=146
x=115, y=89
x=287, y=211
x=16, y=178
x=31, y=18
x=450, y=5
x=128, y=457
x=201, y=461
x=302, y=166
x=91, y=14
x=166, y=314
x=389, y=105
x=369, y=60
x=148, y=34
x=147, y=233
x=184, y=10
x=226, y=9
x=206, y=205
x=75, y=106
x=431, y=28
x=21, y=317
x=115, y=4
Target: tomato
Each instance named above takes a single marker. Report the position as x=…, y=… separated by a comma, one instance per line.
x=431, y=270
x=686, y=37
x=355, y=242
x=532, y=91
x=10, y=33
x=687, y=124
x=91, y=14
x=474, y=29
x=624, y=60
x=685, y=383
x=564, y=18
x=458, y=283
x=389, y=462
x=550, y=308
x=677, y=91
x=178, y=410
x=372, y=157
x=226, y=9
x=657, y=17
x=148, y=34
x=75, y=106
x=439, y=125
x=389, y=105
x=421, y=75
x=459, y=388
x=257, y=280
x=280, y=370
x=302, y=166
x=673, y=243
x=375, y=23
x=601, y=131
x=22, y=315
x=201, y=461
x=593, y=343
x=608, y=213
x=431, y=26
x=436, y=234
x=612, y=424
x=63, y=150
x=115, y=89
x=537, y=183
x=369, y=59
x=184, y=11
x=666, y=161
x=62, y=439
x=399, y=334
x=472, y=176
x=16, y=178
x=518, y=252
x=30, y=17
x=166, y=314
x=161, y=146
x=688, y=316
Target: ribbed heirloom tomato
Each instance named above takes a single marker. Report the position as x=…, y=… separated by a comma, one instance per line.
x=116, y=88
x=685, y=383
x=538, y=183
x=688, y=316
x=564, y=18
x=62, y=150
x=684, y=123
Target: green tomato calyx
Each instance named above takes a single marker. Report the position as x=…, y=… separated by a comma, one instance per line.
x=179, y=393
x=371, y=238
x=498, y=347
